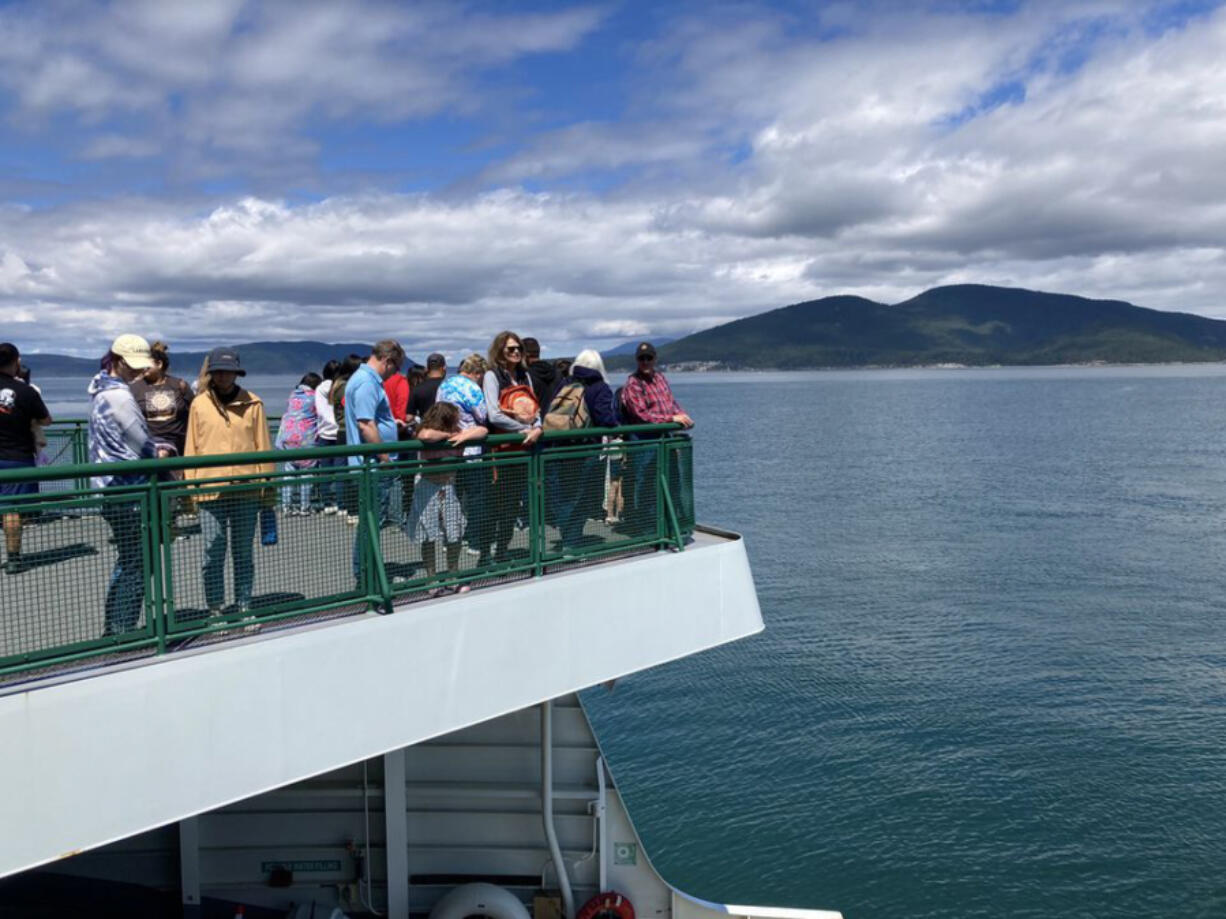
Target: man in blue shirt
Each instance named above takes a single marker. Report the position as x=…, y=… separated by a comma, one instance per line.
x=368, y=414
x=369, y=420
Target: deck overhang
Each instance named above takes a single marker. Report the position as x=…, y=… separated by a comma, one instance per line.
x=97, y=759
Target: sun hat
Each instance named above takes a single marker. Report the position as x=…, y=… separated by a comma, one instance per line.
x=134, y=350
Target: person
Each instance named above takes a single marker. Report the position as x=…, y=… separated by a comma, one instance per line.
x=519, y=413
x=436, y=514
x=463, y=390
x=40, y=436
x=576, y=483
x=226, y=418
x=369, y=419
x=336, y=399
x=118, y=432
x=647, y=398
x=165, y=400
x=424, y=393
x=545, y=376
x=325, y=436
x=299, y=428
x=397, y=388
x=21, y=410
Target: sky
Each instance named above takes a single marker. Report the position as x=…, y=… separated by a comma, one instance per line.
x=227, y=171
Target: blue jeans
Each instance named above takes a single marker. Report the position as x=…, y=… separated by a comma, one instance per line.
x=233, y=515
x=126, y=593
x=330, y=493
x=296, y=494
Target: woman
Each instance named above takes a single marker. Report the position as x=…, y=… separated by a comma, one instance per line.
x=577, y=483
x=225, y=418
x=325, y=435
x=118, y=432
x=511, y=409
x=298, y=429
x=165, y=400
x=336, y=399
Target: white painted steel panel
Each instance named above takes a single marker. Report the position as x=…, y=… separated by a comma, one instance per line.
x=100, y=759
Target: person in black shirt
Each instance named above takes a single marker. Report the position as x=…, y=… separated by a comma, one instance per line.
x=423, y=394
x=544, y=375
x=21, y=407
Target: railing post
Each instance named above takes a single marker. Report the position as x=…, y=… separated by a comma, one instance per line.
x=370, y=552
x=536, y=508
x=155, y=608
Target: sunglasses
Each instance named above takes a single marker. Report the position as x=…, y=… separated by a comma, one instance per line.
x=512, y=348
x=646, y=358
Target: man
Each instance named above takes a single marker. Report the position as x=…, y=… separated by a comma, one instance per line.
x=544, y=374
x=368, y=414
x=648, y=399
x=21, y=407
x=369, y=419
x=425, y=393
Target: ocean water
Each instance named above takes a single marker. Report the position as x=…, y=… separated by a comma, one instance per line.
x=993, y=680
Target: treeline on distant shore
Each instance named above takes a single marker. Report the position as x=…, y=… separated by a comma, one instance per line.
x=971, y=324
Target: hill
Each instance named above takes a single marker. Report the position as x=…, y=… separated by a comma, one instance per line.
x=964, y=324
x=257, y=357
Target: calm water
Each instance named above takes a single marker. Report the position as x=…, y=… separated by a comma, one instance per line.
x=993, y=681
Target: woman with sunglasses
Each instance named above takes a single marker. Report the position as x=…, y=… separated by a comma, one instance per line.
x=506, y=375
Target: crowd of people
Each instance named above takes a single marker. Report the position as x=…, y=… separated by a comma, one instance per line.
x=139, y=410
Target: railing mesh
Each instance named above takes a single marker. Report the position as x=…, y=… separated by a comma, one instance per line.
x=167, y=562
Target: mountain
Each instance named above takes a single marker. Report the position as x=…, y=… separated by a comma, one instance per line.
x=963, y=324
x=627, y=347
x=257, y=357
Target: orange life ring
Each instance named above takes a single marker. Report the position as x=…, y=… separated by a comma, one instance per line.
x=608, y=905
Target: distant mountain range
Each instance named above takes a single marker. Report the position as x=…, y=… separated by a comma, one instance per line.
x=257, y=357
x=968, y=324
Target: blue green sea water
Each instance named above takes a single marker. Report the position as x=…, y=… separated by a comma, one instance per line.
x=993, y=680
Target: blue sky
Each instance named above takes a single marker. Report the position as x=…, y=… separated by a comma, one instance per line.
x=592, y=172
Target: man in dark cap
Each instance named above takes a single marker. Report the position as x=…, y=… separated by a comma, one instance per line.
x=425, y=393
x=648, y=399
x=543, y=374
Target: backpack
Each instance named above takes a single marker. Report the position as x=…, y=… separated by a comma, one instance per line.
x=568, y=409
x=519, y=396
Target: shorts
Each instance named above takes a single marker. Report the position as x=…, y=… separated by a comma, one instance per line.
x=18, y=488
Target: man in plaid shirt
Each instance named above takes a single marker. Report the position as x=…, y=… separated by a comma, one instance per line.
x=648, y=399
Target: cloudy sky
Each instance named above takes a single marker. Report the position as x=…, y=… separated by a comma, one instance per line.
x=232, y=171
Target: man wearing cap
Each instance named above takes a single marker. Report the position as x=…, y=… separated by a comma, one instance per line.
x=425, y=393
x=648, y=399
x=21, y=407
x=118, y=432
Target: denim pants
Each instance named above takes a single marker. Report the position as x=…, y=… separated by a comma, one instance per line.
x=331, y=493
x=231, y=515
x=296, y=494
x=574, y=488
x=126, y=593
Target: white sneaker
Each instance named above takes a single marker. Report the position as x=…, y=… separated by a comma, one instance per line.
x=331, y=509
x=351, y=519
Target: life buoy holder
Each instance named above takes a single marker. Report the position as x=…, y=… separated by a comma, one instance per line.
x=607, y=905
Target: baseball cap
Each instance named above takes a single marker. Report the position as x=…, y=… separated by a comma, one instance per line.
x=134, y=350
x=435, y=360
x=225, y=359
x=645, y=349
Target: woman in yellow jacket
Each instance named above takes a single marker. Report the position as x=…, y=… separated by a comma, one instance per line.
x=225, y=418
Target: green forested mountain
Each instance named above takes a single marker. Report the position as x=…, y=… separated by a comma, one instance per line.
x=963, y=324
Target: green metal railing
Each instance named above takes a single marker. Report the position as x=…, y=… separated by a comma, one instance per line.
x=178, y=555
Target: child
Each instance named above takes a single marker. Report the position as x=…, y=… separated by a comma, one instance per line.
x=436, y=513
x=297, y=430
